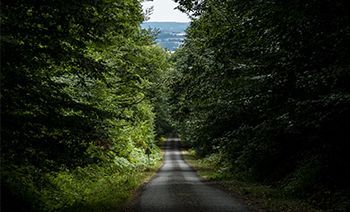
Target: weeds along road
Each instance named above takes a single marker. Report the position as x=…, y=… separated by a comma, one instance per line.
x=176, y=187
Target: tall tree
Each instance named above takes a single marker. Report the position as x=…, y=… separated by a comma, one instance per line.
x=77, y=82
x=265, y=82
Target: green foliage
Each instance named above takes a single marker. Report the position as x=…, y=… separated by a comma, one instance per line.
x=266, y=83
x=256, y=196
x=80, y=88
x=94, y=187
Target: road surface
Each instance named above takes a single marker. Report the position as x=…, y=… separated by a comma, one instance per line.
x=176, y=187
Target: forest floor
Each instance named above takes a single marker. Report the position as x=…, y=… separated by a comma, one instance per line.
x=257, y=197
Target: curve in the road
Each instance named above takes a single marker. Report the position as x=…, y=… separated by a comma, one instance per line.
x=176, y=187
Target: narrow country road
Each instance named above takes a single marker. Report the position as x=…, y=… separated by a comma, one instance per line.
x=176, y=187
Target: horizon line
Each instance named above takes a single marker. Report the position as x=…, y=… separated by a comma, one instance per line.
x=168, y=21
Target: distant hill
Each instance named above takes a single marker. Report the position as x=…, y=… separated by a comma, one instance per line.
x=171, y=34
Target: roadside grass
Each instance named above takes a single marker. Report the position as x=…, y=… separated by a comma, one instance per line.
x=117, y=195
x=146, y=176
x=256, y=196
x=96, y=187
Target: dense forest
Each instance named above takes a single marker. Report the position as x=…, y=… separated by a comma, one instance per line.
x=265, y=85
x=81, y=84
x=86, y=95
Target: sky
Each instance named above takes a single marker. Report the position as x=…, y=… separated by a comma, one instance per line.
x=164, y=11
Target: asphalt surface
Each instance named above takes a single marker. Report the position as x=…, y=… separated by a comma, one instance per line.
x=176, y=187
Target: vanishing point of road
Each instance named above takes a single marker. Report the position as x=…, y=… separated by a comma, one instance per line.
x=176, y=187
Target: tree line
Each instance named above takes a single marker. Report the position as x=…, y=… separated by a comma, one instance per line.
x=81, y=84
x=265, y=84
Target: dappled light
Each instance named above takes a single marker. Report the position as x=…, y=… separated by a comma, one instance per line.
x=175, y=105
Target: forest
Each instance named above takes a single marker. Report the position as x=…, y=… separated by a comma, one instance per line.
x=265, y=85
x=87, y=96
x=81, y=84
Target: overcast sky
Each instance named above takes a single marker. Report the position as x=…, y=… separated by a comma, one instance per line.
x=164, y=11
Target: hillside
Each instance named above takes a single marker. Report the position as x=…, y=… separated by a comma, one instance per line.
x=171, y=34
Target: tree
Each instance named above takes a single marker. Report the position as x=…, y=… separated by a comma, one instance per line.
x=77, y=82
x=264, y=83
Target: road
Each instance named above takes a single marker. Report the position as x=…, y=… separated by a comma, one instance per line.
x=176, y=187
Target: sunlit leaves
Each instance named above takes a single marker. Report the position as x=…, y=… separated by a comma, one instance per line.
x=80, y=84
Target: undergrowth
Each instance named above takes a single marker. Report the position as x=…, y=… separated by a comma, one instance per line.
x=257, y=196
x=97, y=187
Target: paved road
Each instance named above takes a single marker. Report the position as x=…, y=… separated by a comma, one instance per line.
x=176, y=187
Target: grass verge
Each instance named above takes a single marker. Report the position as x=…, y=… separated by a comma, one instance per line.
x=146, y=176
x=120, y=194
x=107, y=186
x=256, y=196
